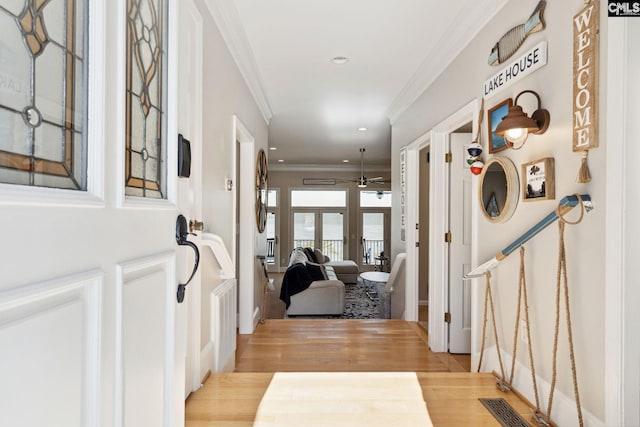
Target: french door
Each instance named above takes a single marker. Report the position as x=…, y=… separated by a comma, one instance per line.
x=374, y=239
x=325, y=229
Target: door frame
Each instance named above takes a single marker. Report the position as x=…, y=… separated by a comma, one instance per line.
x=622, y=377
x=438, y=139
x=245, y=194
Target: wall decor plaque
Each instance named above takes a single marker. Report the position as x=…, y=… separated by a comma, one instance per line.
x=586, y=43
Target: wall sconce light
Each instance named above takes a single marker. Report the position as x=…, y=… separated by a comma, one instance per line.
x=516, y=125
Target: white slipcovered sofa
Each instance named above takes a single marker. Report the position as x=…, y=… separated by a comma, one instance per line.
x=322, y=297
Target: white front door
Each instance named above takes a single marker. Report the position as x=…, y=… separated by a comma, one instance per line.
x=90, y=329
x=460, y=247
x=190, y=189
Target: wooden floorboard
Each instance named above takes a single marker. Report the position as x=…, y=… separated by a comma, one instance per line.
x=308, y=345
x=321, y=345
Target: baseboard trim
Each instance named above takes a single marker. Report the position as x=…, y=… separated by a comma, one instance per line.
x=564, y=407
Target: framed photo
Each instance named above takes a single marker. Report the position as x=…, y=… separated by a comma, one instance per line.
x=538, y=182
x=495, y=114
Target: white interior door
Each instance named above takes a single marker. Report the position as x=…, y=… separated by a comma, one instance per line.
x=460, y=247
x=88, y=310
x=190, y=189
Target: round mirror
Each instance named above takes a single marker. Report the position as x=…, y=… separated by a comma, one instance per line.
x=499, y=189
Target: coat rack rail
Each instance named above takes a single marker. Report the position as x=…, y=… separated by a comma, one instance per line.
x=566, y=204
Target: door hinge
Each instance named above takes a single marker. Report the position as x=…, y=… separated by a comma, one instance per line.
x=417, y=244
x=428, y=156
x=447, y=237
x=448, y=158
x=447, y=317
x=417, y=226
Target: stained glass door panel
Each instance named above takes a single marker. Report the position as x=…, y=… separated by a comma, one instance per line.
x=43, y=94
x=146, y=169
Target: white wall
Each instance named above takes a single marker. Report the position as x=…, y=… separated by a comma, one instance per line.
x=463, y=81
x=225, y=95
x=631, y=293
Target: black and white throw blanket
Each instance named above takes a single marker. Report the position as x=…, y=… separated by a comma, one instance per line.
x=296, y=279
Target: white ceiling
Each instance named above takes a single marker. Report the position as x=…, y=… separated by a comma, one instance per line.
x=314, y=107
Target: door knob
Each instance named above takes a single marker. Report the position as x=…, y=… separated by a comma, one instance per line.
x=195, y=225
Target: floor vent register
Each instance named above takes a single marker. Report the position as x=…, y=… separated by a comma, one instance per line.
x=504, y=413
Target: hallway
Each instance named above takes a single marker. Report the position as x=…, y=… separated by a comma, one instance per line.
x=317, y=345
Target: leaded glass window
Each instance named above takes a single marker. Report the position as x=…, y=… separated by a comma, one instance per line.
x=43, y=95
x=146, y=169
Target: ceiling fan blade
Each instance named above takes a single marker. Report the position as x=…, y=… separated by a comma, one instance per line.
x=377, y=178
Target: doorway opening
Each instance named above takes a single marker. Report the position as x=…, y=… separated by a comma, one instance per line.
x=244, y=197
x=423, y=236
x=445, y=265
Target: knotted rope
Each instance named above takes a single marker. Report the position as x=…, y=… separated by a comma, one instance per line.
x=561, y=283
x=562, y=277
x=488, y=301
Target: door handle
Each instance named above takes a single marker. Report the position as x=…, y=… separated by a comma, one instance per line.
x=182, y=234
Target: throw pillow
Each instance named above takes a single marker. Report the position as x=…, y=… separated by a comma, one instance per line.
x=309, y=252
x=319, y=256
x=316, y=271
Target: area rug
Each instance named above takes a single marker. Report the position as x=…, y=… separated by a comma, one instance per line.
x=314, y=399
x=361, y=302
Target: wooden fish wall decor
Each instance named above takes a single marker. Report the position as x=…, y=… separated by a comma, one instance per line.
x=513, y=39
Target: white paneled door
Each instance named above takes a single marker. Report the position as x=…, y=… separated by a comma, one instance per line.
x=91, y=333
x=460, y=247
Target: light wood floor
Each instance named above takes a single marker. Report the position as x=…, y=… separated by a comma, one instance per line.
x=306, y=345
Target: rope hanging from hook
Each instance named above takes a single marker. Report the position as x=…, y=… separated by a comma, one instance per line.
x=562, y=283
x=488, y=302
x=561, y=286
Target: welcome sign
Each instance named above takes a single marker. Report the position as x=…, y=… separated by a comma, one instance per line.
x=516, y=70
x=586, y=43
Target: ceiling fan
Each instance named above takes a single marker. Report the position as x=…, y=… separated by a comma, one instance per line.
x=362, y=180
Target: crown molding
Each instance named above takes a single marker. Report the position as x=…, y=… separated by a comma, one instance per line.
x=227, y=19
x=463, y=29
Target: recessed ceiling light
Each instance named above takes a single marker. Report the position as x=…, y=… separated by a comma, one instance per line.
x=273, y=148
x=345, y=161
x=339, y=59
x=280, y=161
x=362, y=129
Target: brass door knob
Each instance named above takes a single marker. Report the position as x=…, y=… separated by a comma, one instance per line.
x=195, y=225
